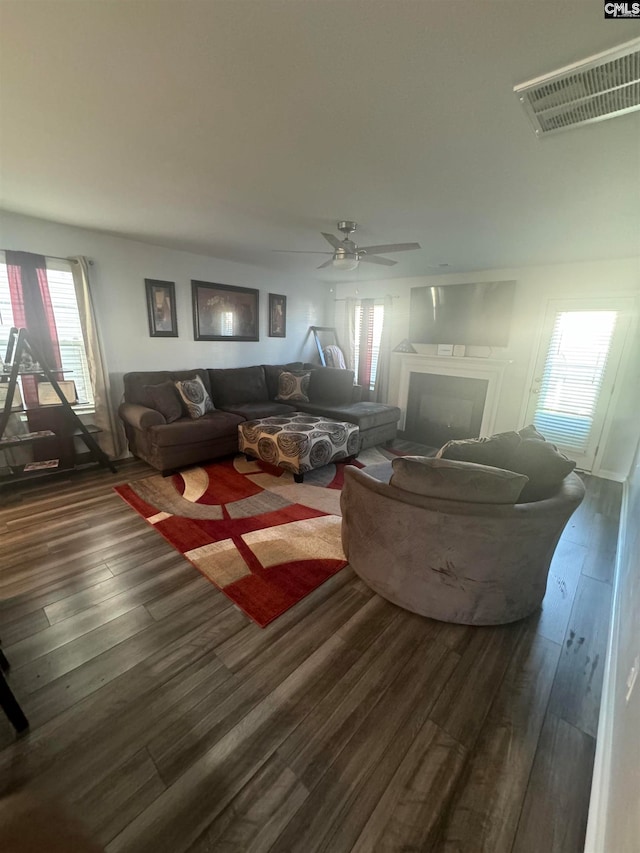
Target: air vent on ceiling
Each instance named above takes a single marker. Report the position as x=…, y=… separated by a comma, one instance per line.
x=603, y=86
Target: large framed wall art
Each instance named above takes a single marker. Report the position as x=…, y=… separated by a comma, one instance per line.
x=224, y=313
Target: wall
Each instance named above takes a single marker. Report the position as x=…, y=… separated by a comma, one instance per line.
x=119, y=269
x=614, y=818
x=535, y=286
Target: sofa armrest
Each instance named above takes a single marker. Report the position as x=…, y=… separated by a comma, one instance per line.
x=140, y=417
x=356, y=394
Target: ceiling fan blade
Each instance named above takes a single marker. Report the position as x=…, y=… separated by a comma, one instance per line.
x=391, y=247
x=331, y=238
x=326, y=264
x=302, y=252
x=372, y=259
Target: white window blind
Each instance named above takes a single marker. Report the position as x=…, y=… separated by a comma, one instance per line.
x=373, y=340
x=573, y=375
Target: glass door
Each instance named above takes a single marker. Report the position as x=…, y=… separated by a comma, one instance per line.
x=575, y=376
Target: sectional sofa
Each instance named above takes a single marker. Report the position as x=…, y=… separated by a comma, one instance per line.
x=168, y=439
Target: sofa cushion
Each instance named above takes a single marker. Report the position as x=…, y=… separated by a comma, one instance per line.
x=252, y=411
x=164, y=398
x=293, y=387
x=543, y=464
x=273, y=371
x=134, y=383
x=494, y=451
x=448, y=479
x=331, y=385
x=238, y=385
x=186, y=431
x=365, y=415
x=195, y=397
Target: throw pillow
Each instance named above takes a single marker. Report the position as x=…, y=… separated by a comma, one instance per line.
x=448, y=479
x=332, y=386
x=543, y=464
x=495, y=451
x=195, y=397
x=293, y=387
x=164, y=399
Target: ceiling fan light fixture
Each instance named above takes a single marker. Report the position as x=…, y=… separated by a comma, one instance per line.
x=345, y=260
x=345, y=264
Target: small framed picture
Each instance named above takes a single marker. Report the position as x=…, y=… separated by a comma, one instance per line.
x=277, y=316
x=161, y=307
x=222, y=312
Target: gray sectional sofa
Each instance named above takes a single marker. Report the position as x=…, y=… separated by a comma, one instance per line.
x=239, y=394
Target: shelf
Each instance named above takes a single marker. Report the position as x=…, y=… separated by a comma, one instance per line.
x=92, y=429
x=58, y=414
x=18, y=473
x=52, y=406
x=6, y=374
x=25, y=438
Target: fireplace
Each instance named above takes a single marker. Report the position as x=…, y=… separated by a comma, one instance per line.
x=453, y=407
x=441, y=408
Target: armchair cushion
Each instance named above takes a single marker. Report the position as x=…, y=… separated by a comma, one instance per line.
x=525, y=452
x=495, y=450
x=531, y=432
x=459, y=481
x=543, y=464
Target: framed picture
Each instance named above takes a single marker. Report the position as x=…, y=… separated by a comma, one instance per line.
x=161, y=307
x=48, y=397
x=224, y=313
x=277, y=316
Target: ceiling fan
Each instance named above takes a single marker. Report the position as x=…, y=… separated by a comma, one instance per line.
x=347, y=255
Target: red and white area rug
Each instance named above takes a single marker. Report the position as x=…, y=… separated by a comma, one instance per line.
x=261, y=538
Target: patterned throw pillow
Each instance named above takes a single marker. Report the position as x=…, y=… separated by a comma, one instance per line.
x=294, y=387
x=195, y=397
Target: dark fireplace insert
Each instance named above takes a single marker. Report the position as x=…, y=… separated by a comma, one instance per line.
x=443, y=408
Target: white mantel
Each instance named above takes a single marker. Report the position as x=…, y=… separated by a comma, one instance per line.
x=490, y=369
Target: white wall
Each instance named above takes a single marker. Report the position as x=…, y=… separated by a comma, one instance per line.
x=614, y=817
x=119, y=269
x=535, y=287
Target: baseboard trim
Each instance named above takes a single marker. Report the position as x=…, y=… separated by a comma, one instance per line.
x=609, y=475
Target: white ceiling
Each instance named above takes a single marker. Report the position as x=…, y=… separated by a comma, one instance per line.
x=235, y=127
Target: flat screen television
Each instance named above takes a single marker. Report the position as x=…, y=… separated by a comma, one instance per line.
x=471, y=314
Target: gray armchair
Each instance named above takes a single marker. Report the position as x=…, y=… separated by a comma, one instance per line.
x=458, y=561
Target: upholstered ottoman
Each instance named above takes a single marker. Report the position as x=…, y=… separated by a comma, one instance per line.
x=298, y=442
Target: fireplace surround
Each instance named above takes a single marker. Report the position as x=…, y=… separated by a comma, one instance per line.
x=477, y=410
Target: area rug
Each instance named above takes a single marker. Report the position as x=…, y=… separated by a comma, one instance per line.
x=261, y=538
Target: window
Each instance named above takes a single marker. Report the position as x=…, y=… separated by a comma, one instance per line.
x=67, y=318
x=370, y=338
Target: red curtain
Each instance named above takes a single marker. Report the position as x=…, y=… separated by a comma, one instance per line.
x=32, y=310
x=365, y=346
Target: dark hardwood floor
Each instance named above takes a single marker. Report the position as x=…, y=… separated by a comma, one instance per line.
x=167, y=721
